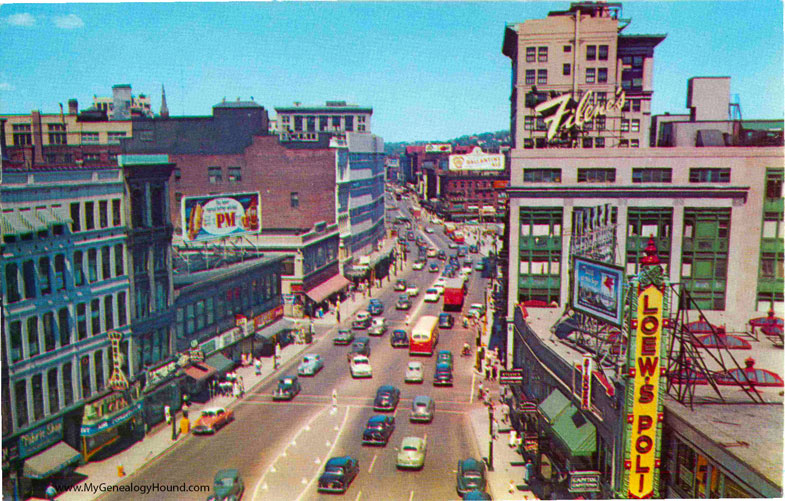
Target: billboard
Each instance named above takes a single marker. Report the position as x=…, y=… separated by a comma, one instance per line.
x=477, y=160
x=597, y=290
x=216, y=216
x=438, y=148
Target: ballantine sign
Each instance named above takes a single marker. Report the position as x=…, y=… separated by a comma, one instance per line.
x=566, y=118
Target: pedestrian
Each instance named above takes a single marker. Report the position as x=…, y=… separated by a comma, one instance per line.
x=487, y=370
x=407, y=319
x=277, y=357
x=338, y=313
x=50, y=492
x=513, y=438
x=528, y=472
x=167, y=414
x=511, y=489
x=335, y=398
x=257, y=364
x=493, y=372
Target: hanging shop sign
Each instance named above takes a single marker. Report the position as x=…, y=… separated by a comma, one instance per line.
x=40, y=438
x=477, y=160
x=155, y=376
x=587, y=366
x=584, y=481
x=438, y=148
x=597, y=290
x=216, y=216
x=562, y=116
x=109, y=411
x=531, y=442
x=511, y=376
x=243, y=324
x=264, y=319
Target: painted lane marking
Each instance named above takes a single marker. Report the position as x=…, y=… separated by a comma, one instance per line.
x=327, y=456
x=411, y=496
x=373, y=461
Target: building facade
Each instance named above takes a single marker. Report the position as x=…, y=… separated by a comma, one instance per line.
x=335, y=117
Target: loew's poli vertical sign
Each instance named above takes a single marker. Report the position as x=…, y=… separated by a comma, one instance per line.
x=216, y=216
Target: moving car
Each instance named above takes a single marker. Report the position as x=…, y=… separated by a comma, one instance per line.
x=476, y=310
x=452, y=245
x=446, y=321
x=433, y=267
x=443, y=375
x=480, y=266
x=413, y=373
x=403, y=303
x=423, y=408
x=418, y=265
x=431, y=295
x=227, y=484
x=432, y=252
x=412, y=453
x=442, y=255
x=399, y=339
x=360, y=366
x=288, y=388
x=362, y=320
x=378, y=430
x=375, y=307
x=360, y=346
x=310, y=365
x=344, y=336
x=428, y=230
x=474, y=249
x=412, y=290
x=400, y=285
x=378, y=327
x=444, y=357
x=211, y=420
x=470, y=476
x=338, y=474
x=476, y=495
x=387, y=397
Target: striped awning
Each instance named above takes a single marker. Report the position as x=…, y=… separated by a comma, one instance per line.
x=12, y=223
x=18, y=222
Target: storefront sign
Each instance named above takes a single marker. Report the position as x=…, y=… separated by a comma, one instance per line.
x=531, y=442
x=40, y=438
x=564, y=118
x=511, y=376
x=264, y=319
x=154, y=376
x=438, y=148
x=243, y=324
x=111, y=410
x=111, y=421
x=597, y=290
x=587, y=367
x=477, y=160
x=584, y=481
x=216, y=216
x=527, y=408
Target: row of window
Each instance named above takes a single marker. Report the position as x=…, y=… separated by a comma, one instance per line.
x=89, y=222
x=215, y=174
x=326, y=123
x=540, y=54
x=585, y=142
x=35, y=335
x=639, y=175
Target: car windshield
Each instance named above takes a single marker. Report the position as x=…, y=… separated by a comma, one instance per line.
x=422, y=404
x=414, y=367
x=209, y=413
x=334, y=470
x=225, y=482
x=409, y=448
x=472, y=474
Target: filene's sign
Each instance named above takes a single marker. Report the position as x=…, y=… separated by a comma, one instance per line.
x=567, y=118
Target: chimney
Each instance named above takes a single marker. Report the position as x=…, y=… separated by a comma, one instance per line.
x=73, y=107
x=38, y=138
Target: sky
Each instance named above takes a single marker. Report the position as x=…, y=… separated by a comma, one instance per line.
x=430, y=70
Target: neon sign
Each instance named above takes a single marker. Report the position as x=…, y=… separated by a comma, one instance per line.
x=567, y=118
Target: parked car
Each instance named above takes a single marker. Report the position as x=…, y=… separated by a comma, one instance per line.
x=418, y=265
x=288, y=388
x=378, y=430
x=360, y=346
x=412, y=453
x=403, y=303
x=442, y=255
x=227, y=484
x=399, y=339
x=470, y=476
x=400, y=285
x=442, y=376
x=378, y=327
x=428, y=230
x=362, y=321
x=344, y=336
x=338, y=474
x=452, y=245
x=412, y=290
x=413, y=373
x=310, y=365
x=476, y=310
x=360, y=366
x=431, y=295
x=479, y=266
x=433, y=267
x=432, y=252
x=211, y=420
x=444, y=357
x=375, y=307
x=423, y=408
x=387, y=397
x=446, y=321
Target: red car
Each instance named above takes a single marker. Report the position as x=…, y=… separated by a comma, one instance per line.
x=212, y=419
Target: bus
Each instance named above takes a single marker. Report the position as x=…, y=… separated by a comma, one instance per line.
x=425, y=336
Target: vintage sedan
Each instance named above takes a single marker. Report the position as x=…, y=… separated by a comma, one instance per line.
x=344, y=336
x=403, y=303
x=399, y=339
x=476, y=310
x=387, y=397
x=412, y=290
x=360, y=346
x=227, y=485
x=418, y=265
x=375, y=307
x=413, y=373
x=411, y=455
x=433, y=267
x=378, y=327
x=378, y=430
x=360, y=366
x=338, y=474
x=446, y=321
x=310, y=365
x=444, y=356
x=442, y=376
x=423, y=408
x=431, y=295
x=211, y=420
x=470, y=476
x=362, y=320
x=400, y=285
x=288, y=388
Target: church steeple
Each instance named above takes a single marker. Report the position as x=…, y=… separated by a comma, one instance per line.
x=164, y=109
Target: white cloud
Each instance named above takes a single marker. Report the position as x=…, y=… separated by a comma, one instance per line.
x=6, y=86
x=68, y=22
x=22, y=19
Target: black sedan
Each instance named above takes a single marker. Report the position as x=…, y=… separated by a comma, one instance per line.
x=387, y=397
x=399, y=339
x=378, y=430
x=446, y=321
x=338, y=474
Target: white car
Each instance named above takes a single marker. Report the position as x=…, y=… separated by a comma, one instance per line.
x=429, y=230
x=432, y=252
x=413, y=373
x=418, y=265
x=466, y=270
x=476, y=310
x=431, y=295
x=360, y=366
x=412, y=290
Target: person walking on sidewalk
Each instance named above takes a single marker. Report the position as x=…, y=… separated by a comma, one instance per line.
x=50, y=492
x=277, y=356
x=257, y=365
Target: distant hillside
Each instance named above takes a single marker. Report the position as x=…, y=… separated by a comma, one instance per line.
x=485, y=140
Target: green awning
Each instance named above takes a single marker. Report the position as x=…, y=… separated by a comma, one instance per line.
x=61, y=215
x=12, y=223
x=220, y=363
x=32, y=220
x=576, y=432
x=50, y=461
x=553, y=406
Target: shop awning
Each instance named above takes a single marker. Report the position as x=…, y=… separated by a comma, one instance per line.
x=323, y=290
x=199, y=372
x=50, y=461
x=577, y=434
x=553, y=406
x=271, y=330
x=220, y=363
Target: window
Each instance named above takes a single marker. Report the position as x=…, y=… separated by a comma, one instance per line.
x=37, y=382
x=336, y=120
x=531, y=54
x=43, y=276
x=236, y=174
x=59, y=272
x=116, y=216
x=158, y=203
x=68, y=384
x=625, y=125
x=596, y=175
x=588, y=124
x=33, y=347
x=635, y=125
x=310, y=123
x=89, y=138
x=528, y=143
x=81, y=321
x=774, y=184
x=542, y=77
x=651, y=175
x=95, y=317
x=103, y=213
x=600, y=122
x=122, y=316
x=28, y=275
x=178, y=197
x=349, y=123
x=565, y=70
x=108, y=313
x=603, y=53
x=591, y=52
x=294, y=199
x=587, y=142
x=706, y=175
x=54, y=392
x=12, y=283
x=214, y=175
x=16, y=341
x=590, y=73
x=137, y=207
x=602, y=75
x=542, y=54
x=161, y=293
x=49, y=331
x=115, y=136
x=323, y=122
x=98, y=363
x=634, y=143
x=119, y=265
x=64, y=326
x=542, y=175
x=599, y=142
x=89, y=215
x=298, y=123
x=20, y=391
x=528, y=123
x=76, y=225
x=567, y=48
x=106, y=264
x=92, y=265
x=530, y=75
x=540, y=123
x=84, y=372
x=146, y=136
x=177, y=174
x=78, y=272
x=636, y=105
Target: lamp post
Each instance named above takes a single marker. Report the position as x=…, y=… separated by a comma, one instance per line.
x=490, y=437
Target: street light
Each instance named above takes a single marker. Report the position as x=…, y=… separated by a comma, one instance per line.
x=490, y=437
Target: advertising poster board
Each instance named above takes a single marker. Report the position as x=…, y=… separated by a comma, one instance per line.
x=597, y=290
x=216, y=216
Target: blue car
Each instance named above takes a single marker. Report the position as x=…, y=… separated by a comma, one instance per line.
x=375, y=307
